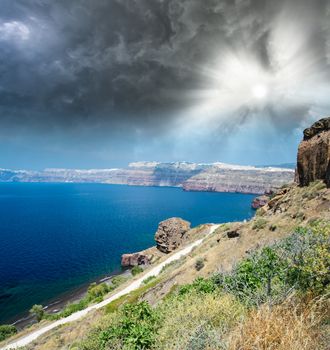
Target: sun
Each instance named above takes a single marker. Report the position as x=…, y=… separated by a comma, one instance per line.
x=259, y=91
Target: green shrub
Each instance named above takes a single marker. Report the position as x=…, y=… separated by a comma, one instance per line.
x=199, y=264
x=136, y=270
x=259, y=224
x=200, y=285
x=308, y=257
x=97, y=290
x=7, y=331
x=301, y=262
x=255, y=279
x=118, y=280
x=38, y=312
x=134, y=327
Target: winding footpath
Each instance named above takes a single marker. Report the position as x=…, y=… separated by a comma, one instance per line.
x=133, y=286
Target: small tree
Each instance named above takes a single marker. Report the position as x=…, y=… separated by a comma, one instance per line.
x=38, y=312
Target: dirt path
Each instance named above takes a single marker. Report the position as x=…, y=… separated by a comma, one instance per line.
x=133, y=286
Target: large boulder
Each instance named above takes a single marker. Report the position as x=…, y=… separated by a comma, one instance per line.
x=171, y=234
x=313, y=161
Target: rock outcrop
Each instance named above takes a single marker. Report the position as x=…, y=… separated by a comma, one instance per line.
x=313, y=161
x=135, y=259
x=260, y=201
x=171, y=234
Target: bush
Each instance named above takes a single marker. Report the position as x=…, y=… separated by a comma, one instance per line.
x=259, y=224
x=7, y=331
x=199, y=264
x=133, y=327
x=118, y=280
x=97, y=290
x=301, y=262
x=200, y=285
x=38, y=312
x=136, y=270
x=308, y=257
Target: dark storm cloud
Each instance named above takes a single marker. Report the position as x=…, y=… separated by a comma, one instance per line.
x=69, y=62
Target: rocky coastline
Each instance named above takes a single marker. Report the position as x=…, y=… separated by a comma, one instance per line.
x=214, y=177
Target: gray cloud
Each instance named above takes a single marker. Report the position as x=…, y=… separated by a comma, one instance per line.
x=132, y=62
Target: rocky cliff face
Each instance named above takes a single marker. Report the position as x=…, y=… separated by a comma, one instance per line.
x=313, y=161
x=216, y=177
x=243, y=179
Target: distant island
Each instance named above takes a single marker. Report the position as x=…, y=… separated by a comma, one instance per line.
x=212, y=177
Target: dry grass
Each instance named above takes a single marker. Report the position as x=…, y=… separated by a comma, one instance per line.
x=197, y=321
x=289, y=326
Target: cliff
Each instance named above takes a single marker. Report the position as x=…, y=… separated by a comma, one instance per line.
x=313, y=160
x=216, y=177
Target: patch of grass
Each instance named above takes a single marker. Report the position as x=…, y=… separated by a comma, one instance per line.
x=193, y=322
x=173, y=264
x=148, y=279
x=131, y=297
x=291, y=325
x=118, y=280
x=312, y=191
x=259, y=224
x=260, y=212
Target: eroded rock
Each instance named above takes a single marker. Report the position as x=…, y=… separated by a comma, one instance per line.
x=313, y=161
x=259, y=202
x=171, y=234
x=135, y=259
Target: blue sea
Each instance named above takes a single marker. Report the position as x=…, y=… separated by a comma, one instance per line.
x=55, y=238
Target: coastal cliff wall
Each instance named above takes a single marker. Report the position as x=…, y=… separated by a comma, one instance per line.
x=216, y=177
x=313, y=160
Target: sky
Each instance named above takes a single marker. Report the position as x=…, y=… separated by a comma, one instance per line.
x=99, y=84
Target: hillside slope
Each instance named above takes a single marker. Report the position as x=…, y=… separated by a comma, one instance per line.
x=292, y=207
x=261, y=284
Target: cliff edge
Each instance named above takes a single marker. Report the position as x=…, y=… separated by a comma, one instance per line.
x=313, y=160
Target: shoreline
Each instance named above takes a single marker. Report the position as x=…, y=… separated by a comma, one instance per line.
x=133, y=285
x=58, y=303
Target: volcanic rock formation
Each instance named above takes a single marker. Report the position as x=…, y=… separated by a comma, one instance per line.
x=313, y=161
x=260, y=201
x=171, y=234
x=134, y=259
